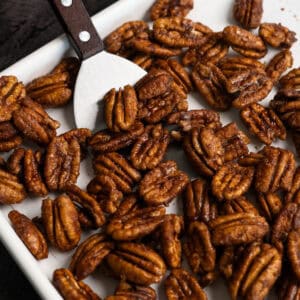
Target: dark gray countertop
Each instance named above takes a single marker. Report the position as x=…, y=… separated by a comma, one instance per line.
x=24, y=27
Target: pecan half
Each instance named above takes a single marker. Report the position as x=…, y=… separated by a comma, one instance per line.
x=263, y=123
x=239, y=205
x=182, y=285
x=70, y=65
x=277, y=35
x=293, y=195
x=236, y=229
x=143, y=60
x=130, y=204
x=270, y=204
x=89, y=255
x=29, y=234
x=293, y=245
x=60, y=220
x=150, y=148
x=162, y=184
x=244, y=42
x=137, y=263
x=70, y=288
x=9, y=137
x=248, y=13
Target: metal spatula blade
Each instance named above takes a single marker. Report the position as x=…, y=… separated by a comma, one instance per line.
x=100, y=71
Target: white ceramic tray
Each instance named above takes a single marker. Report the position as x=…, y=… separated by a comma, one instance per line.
x=214, y=13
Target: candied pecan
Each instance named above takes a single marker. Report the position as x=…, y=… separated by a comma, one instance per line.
x=70, y=288
x=162, y=184
x=198, y=249
x=11, y=94
x=120, y=108
x=89, y=255
x=11, y=190
x=293, y=246
x=136, y=224
x=180, y=284
x=88, y=204
x=60, y=220
x=118, y=168
x=212, y=85
x=289, y=287
x=239, y=205
x=62, y=163
x=251, y=159
x=29, y=234
x=293, y=194
x=14, y=163
x=256, y=272
x=180, y=32
x=197, y=203
x=70, y=65
x=238, y=228
x=129, y=204
x=291, y=79
x=270, y=204
x=279, y=64
x=105, y=141
x=275, y=171
x=213, y=50
x=150, y=148
x=143, y=60
x=232, y=181
x=137, y=263
x=170, y=8
x=277, y=35
x=204, y=150
x=263, y=123
x=244, y=42
x=170, y=231
x=248, y=13
x=9, y=137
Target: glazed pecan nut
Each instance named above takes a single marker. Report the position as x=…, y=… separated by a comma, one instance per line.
x=60, y=220
x=162, y=184
x=89, y=255
x=143, y=60
x=70, y=288
x=248, y=13
x=170, y=8
x=277, y=35
x=239, y=205
x=150, y=148
x=68, y=64
x=11, y=94
x=232, y=181
x=137, y=263
x=289, y=288
x=136, y=224
x=293, y=243
x=275, y=171
x=244, y=42
x=29, y=234
x=9, y=137
x=256, y=272
x=119, y=169
x=270, y=204
x=197, y=202
x=263, y=123
x=237, y=229
x=293, y=194
x=182, y=285
x=62, y=163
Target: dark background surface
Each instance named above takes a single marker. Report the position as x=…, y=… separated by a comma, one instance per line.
x=26, y=25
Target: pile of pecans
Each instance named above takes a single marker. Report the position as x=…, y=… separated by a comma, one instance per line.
x=253, y=245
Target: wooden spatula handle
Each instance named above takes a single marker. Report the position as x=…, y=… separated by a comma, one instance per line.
x=79, y=27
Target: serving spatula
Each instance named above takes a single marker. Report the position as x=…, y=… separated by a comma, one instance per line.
x=100, y=71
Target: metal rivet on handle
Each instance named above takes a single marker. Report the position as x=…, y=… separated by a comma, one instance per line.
x=84, y=36
x=66, y=3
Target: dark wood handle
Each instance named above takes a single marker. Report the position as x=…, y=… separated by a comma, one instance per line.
x=79, y=27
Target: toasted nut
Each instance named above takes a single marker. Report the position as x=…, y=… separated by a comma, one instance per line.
x=80, y=134
x=162, y=184
x=232, y=181
x=197, y=202
x=150, y=148
x=137, y=263
x=263, y=122
x=11, y=94
x=251, y=159
x=118, y=168
x=62, y=163
x=70, y=65
x=289, y=287
x=70, y=288
x=29, y=234
x=248, y=13
x=277, y=35
x=14, y=163
x=143, y=60
x=256, y=272
x=170, y=8
x=237, y=229
x=270, y=204
x=136, y=224
x=89, y=255
x=60, y=220
x=293, y=195
x=293, y=245
x=275, y=171
x=182, y=285
x=239, y=205
x=130, y=204
x=244, y=42
x=9, y=137
x=104, y=141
